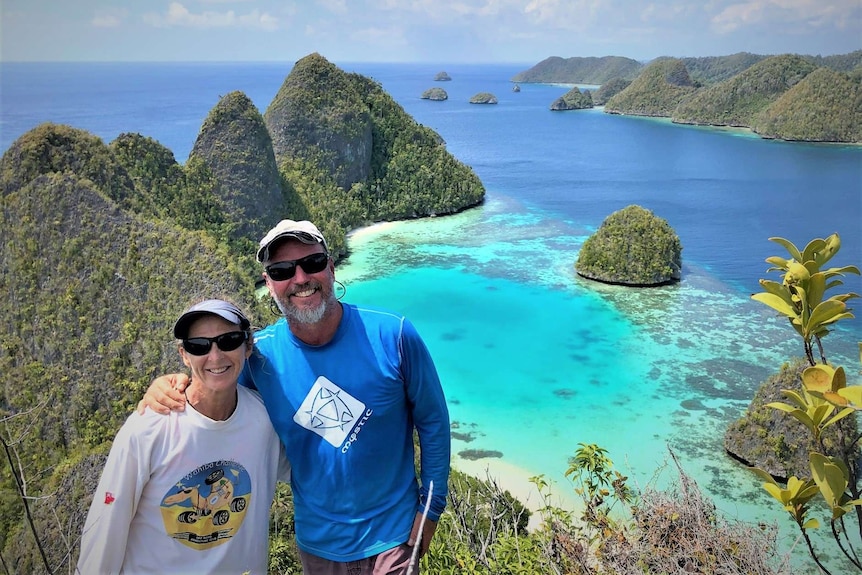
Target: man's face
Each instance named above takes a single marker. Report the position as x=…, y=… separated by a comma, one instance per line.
x=306, y=297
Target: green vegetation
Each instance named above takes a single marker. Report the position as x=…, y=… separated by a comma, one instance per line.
x=349, y=155
x=632, y=247
x=656, y=92
x=714, y=69
x=824, y=402
x=738, y=101
x=580, y=70
x=789, y=97
x=235, y=146
x=826, y=106
x=609, y=89
x=574, y=99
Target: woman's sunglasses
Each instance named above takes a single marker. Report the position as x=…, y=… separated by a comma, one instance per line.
x=283, y=271
x=226, y=342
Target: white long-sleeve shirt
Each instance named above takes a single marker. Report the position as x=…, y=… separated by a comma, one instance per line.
x=182, y=493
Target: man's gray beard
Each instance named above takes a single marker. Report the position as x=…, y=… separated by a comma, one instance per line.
x=306, y=316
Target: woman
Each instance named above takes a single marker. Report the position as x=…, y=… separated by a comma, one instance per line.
x=191, y=492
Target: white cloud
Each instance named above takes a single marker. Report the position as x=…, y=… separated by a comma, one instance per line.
x=333, y=6
x=180, y=16
x=807, y=13
x=108, y=18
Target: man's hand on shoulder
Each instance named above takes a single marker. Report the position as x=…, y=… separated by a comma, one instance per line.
x=165, y=394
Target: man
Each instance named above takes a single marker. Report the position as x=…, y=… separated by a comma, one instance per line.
x=344, y=387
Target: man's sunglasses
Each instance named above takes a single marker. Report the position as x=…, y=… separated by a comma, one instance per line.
x=226, y=342
x=283, y=271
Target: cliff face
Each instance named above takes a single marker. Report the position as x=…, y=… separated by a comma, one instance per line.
x=772, y=440
x=317, y=115
x=235, y=145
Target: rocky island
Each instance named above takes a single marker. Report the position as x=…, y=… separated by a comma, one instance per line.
x=483, y=98
x=438, y=94
x=788, y=97
x=574, y=99
x=632, y=247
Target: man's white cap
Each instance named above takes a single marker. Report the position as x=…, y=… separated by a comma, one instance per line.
x=303, y=230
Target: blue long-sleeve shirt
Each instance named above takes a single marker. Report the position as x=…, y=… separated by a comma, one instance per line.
x=345, y=412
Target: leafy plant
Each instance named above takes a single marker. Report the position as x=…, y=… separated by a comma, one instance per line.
x=800, y=295
x=824, y=399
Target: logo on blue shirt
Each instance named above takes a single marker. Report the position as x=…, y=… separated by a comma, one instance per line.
x=329, y=411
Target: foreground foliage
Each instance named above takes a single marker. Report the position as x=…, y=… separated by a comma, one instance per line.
x=824, y=399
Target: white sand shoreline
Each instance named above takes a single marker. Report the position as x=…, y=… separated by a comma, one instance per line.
x=516, y=481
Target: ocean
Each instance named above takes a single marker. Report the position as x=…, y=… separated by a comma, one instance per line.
x=535, y=360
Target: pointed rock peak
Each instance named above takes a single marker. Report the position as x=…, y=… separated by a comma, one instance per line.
x=235, y=144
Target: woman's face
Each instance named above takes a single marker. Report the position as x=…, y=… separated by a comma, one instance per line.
x=217, y=369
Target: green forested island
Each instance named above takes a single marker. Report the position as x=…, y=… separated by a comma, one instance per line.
x=788, y=97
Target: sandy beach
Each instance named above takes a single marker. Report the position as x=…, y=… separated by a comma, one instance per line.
x=516, y=481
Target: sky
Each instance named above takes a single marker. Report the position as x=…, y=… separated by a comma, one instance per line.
x=448, y=31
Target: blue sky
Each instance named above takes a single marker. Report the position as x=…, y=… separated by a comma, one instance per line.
x=420, y=30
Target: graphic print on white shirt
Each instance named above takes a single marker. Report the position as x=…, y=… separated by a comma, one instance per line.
x=329, y=411
x=207, y=506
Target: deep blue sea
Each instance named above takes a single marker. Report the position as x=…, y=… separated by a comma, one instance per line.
x=535, y=360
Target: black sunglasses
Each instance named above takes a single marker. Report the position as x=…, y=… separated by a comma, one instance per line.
x=226, y=342
x=283, y=271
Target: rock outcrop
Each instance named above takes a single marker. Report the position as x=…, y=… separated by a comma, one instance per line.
x=774, y=441
x=235, y=144
x=632, y=247
x=574, y=99
x=483, y=98
x=438, y=94
x=317, y=114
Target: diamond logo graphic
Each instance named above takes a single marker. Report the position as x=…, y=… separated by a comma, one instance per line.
x=329, y=411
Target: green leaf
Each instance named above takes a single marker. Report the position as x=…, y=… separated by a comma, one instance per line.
x=816, y=248
x=826, y=312
x=767, y=477
x=776, y=303
x=811, y=524
x=853, y=394
x=816, y=289
x=788, y=245
x=838, y=416
x=778, y=289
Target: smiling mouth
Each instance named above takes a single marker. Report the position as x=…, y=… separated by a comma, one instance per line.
x=218, y=370
x=304, y=293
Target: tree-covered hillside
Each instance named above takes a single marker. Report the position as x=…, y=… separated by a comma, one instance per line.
x=351, y=154
x=738, y=101
x=656, y=92
x=579, y=70
x=736, y=90
x=707, y=70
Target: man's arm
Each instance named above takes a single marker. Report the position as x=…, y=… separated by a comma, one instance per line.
x=427, y=533
x=165, y=394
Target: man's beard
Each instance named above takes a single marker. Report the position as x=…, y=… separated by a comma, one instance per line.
x=304, y=315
